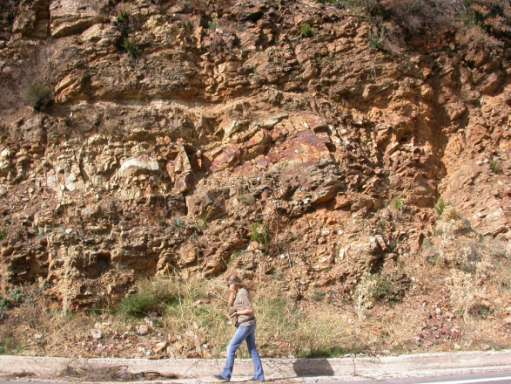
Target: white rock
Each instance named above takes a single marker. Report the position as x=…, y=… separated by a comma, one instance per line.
x=142, y=329
x=96, y=334
x=140, y=164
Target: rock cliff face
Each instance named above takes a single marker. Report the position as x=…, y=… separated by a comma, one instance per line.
x=299, y=140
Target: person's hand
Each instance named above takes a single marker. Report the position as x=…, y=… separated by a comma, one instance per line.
x=233, y=314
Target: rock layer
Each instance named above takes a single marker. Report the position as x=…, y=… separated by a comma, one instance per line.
x=194, y=138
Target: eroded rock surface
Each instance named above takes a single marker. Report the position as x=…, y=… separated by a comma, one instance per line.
x=180, y=128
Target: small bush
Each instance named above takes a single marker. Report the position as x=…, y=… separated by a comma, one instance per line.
x=306, y=30
x=16, y=296
x=8, y=345
x=4, y=307
x=123, y=18
x=3, y=235
x=260, y=233
x=495, y=167
x=212, y=25
x=39, y=96
x=377, y=288
x=385, y=290
x=179, y=223
x=151, y=297
x=398, y=203
x=200, y=224
x=377, y=39
x=131, y=48
x=440, y=206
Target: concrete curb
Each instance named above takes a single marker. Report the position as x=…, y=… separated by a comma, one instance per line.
x=417, y=365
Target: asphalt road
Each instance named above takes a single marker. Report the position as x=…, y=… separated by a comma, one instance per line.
x=487, y=378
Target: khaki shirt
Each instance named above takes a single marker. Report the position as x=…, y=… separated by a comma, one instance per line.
x=242, y=301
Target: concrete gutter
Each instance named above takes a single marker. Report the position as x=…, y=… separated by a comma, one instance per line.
x=110, y=369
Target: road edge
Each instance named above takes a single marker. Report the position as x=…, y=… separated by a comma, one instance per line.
x=415, y=365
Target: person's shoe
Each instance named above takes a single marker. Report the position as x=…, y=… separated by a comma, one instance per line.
x=221, y=378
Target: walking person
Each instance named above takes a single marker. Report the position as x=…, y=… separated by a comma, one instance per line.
x=240, y=309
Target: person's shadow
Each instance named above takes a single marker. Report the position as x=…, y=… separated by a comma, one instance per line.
x=312, y=367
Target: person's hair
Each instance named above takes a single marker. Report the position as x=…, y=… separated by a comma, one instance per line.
x=234, y=278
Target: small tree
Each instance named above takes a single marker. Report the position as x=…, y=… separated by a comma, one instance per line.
x=39, y=96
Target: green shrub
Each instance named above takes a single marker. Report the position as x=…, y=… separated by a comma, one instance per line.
x=39, y=96
x=5, y=304
x=8, y=345
x=200, y=224
x=16, y=296
x=150, y=297
x=377, y=39
x=212, y=25
x=440, y=206
x=377, y=288
x=385, y=290
x=495, y=166
x=123, y=18
x=179, y=223
x=398, y=203
x=131, y=48
x=306, y=30
x=3, y=235
x=260, y=233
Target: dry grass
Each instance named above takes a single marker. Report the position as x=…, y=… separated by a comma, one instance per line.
x=194, y=321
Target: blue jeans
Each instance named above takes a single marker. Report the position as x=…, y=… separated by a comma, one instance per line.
x=243, y=333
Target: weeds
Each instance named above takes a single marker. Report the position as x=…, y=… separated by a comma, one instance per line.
x=260, y=233
x=39, y=96
x=495, y=167
x=306, y=30
x=201, y=224
x=124, y=43
x=131, y=48
x=123, y=18
x=376, y=288
x=150, y=297
x=398, y=203
x=377, y=39
x=8, y=345
x=14, y=298
x=179, y=223
x=213, y=26
x=3, y=235
x=440, y=206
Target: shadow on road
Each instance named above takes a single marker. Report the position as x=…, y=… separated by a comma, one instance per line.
x=312, y=367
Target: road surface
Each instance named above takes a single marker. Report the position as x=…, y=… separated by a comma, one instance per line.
x=487, y=378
